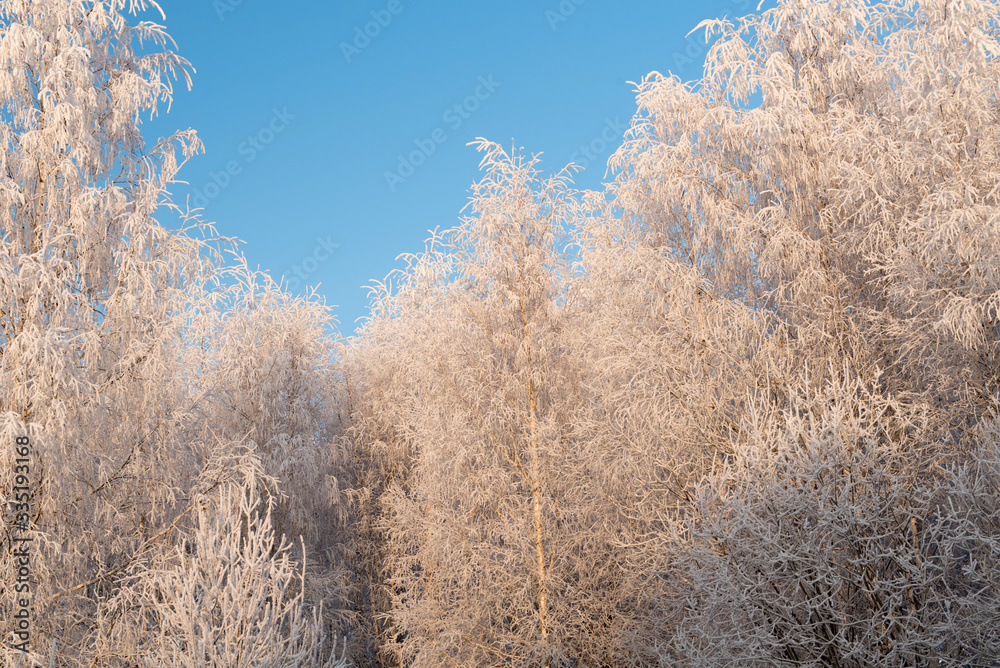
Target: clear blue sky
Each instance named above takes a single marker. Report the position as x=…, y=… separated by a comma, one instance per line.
x=329, y=121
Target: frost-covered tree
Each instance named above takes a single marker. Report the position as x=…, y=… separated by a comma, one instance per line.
x=497, y=549
x=91, y=298
x=669, y=359
x=266, y=362
x=231, y=595
x=100, y=307
x=826, y=190
x=380, y=382
x=835, y=535
x=835, y=166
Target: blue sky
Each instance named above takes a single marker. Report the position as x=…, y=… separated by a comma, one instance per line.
x=307, y=107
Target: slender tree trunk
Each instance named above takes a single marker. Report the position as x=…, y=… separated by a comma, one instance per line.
x=536, y=502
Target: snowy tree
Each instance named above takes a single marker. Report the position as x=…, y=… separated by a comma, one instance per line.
x=497, y=551
x=669, y=361
x=267, y=367
x=229, y=596
x=92, y=294
x=100, y=307
x=835, y=536
x=828, y=185
x=380, y=383
x=835, y=166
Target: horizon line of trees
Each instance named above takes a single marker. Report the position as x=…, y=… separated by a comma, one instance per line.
x=738, y=408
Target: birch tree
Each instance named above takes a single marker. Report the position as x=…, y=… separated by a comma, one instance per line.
x=92, y=295
x=843, y=153
x=98, y=304
x=838, y=535
x=670, y=360
x=494, y=554
x=825, y=174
